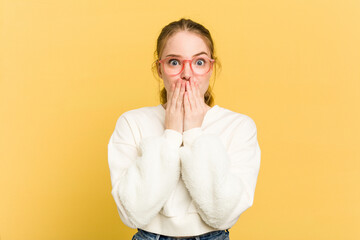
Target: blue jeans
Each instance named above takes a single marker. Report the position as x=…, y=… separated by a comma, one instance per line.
x=215, y=235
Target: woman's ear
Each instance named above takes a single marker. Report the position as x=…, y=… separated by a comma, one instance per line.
x=159, y=69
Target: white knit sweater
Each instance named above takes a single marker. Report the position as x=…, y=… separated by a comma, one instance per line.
x=163, y=187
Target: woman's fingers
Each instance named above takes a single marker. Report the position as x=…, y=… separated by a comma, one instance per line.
x=174, y=113
x=188, y=94
x=170, y=94
x=192, y=95
x=198, y=97
x=176, y=94
x=180, y=97
x=187, y=106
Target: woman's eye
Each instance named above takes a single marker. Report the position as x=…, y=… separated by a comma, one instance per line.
x=174, y=62
x=200, y=62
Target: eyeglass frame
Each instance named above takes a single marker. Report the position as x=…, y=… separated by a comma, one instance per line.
x=183, y=61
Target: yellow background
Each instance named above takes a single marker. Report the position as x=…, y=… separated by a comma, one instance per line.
x=69, y=69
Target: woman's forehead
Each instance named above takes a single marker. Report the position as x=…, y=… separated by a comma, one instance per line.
x=185, y=44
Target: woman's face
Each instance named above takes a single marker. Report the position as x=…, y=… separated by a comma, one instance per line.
x=186, y=45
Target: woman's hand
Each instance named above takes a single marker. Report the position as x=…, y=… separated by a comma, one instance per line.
x=195, y=106
x=174, y=113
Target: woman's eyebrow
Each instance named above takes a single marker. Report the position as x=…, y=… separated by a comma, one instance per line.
x=174, y=55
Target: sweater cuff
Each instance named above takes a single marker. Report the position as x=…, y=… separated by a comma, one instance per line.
x=189, y=136
x=173, y=136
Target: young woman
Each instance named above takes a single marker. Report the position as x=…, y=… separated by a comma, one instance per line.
x=185, y=168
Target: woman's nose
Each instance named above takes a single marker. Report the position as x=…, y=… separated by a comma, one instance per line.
x=186, y=73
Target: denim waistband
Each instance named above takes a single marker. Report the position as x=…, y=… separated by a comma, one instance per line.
x=207, y=236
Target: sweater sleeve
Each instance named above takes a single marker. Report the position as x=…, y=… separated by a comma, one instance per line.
x=221, y=181
x=142, y=178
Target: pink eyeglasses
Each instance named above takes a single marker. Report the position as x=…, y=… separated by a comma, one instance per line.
x=200, y=65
